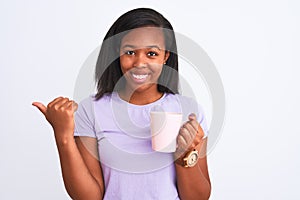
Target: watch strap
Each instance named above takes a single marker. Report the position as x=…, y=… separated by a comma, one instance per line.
x=183, y=161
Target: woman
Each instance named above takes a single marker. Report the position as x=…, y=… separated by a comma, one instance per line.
x=137, y=69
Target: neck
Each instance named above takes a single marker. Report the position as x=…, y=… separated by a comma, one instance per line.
x=141, y=97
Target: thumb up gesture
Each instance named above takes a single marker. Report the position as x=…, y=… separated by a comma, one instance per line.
x=60, y=114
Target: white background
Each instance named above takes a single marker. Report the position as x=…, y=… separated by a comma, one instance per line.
x=254, y=45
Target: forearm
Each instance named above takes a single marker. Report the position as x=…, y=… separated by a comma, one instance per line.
x=191, y=183
x=79, y=182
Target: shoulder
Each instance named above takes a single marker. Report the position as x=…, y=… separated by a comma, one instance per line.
x=91, y=100
x=89, y=108
x=183, y=100
x=187, y=104
x=88, y=105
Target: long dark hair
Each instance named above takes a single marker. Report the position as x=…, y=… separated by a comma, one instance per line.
x=108, y=71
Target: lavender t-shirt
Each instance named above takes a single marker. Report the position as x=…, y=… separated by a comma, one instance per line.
x=131, y=169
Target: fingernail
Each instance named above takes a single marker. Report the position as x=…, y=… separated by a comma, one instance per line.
x=192, y=115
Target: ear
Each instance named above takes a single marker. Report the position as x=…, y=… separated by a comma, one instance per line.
x=167, y=54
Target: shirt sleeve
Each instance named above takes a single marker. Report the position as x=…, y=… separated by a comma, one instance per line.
x=190, y=105
x=202, y=120
x=85, y=119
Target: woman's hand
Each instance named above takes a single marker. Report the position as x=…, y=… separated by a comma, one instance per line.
x=189, y=137
x=60, y=114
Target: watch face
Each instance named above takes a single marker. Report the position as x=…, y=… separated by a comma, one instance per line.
x=193, y=159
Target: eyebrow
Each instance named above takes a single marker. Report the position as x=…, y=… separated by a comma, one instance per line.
x=134, y=47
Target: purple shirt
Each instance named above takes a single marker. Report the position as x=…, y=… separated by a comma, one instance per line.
x=131, y=169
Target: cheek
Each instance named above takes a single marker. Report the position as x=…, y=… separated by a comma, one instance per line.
x=156, y=68
x=125, y=64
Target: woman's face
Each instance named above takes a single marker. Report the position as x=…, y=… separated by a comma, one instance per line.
x=142, y=54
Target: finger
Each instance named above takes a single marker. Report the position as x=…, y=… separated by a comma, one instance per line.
x=74, y=106
x=200, y=132
x=180, y=152
x=186, y=136
x=192, y=116
x=192, y=128
x=197, y=139
x=192, y=137
x=58, y=104
x=181, y=145
x=64, y=104
x=54, y=101
x=71, y=105
x=181, y=141
x=41, y=107
x=193, y=121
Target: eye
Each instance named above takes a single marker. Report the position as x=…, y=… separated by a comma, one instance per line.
x=129, y=53
x=152, y=53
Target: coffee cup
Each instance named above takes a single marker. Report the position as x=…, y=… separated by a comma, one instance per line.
x=164, y=130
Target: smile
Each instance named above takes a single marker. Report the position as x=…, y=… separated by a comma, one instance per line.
x=140, y=76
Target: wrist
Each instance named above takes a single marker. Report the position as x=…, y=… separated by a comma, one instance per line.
x=64, y=138
x=189, y=159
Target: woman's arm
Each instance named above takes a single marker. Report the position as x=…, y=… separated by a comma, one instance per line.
x=192, y=182
x=80, y=168
x=88, y=148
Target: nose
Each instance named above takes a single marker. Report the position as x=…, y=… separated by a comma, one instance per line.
x=140, y=60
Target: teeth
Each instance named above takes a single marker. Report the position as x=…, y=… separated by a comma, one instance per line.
x=140, y=76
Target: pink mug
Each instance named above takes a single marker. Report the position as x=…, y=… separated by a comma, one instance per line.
x=164, y=130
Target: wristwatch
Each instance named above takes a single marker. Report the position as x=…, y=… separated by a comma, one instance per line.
x=190, y=159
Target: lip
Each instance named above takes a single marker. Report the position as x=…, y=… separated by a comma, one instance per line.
x=139, y=77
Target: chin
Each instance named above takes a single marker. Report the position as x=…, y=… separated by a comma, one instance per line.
x=144, y=88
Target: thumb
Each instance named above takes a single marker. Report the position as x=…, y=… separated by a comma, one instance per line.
x=41, y=107
x=192, y=116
